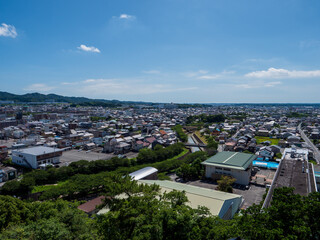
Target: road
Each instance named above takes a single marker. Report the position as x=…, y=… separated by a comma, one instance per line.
x=236, y=134
x=220, y=147
x=313, y=147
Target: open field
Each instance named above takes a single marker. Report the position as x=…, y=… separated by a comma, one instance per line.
x=42, y=188
x=75, y=155
x=274, y=141
x=203, y=139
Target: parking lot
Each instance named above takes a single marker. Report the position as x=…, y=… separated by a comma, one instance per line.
x=263, y=177
x=76, y=155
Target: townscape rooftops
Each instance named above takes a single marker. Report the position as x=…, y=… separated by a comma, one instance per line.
x=235, y=160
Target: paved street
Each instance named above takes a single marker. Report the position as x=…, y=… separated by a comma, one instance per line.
x=313, y=147
x=220, y=147
x=236, y=134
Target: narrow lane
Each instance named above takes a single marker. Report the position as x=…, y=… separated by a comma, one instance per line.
x=313, y=147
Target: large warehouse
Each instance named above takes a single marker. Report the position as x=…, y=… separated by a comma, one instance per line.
x=234, y=164
x=221, y=204
x=35, y=156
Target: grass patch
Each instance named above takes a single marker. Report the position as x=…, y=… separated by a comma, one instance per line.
x=313, y=162
x=163, y=176
x=274, y=141
x=163, y=166
x=203, y=139
x=42, y=188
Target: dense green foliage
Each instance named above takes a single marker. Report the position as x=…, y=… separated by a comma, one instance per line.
x=185, y=105
x=225, y=184
x=96, y=119
x=212, y=146
x=162, y=166
x=297, y=115
x=144, y=213
x=238, y=116
x=206, y=118
x=54, y=175
x=290, y=216
x=46, y=220
x=99, y=103
x=147, y=214
x=38, y=97
x=159, y=153
x=80, y=185
x=192, y=168
x=86, y=176
x=181, y=134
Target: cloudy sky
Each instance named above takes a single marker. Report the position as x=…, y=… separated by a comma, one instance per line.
x=163, y=51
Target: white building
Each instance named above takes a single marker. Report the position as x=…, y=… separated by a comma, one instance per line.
x=35, y=156
x=18, y=134
x=234, y=164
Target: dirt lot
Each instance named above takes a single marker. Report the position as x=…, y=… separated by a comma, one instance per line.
x=76, y=155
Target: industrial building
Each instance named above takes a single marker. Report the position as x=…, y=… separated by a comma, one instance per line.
x=35, y=156
x=234, y=164
x=221, y=204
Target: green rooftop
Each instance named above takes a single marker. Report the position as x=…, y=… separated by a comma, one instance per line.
x=235, y=160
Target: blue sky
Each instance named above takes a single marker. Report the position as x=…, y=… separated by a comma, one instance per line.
x=163, y=51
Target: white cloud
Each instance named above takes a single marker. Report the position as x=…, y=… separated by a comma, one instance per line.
x=151, y=72
x=207, y=77
x=88, y=49
x=39, y=87
x=258, y=85
x=283, y=73
x=215, y=76
x=8, y=30
x=194, y=73
x=127, y=16
x=120, y=87
x=310, y=44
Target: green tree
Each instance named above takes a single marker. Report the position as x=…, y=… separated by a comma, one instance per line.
x=11, y=188
x=224, y=184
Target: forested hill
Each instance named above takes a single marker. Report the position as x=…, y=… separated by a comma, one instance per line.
x=38, y=97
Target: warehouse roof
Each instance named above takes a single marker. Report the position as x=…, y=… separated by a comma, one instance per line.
x=142, y=173
x=39, y=150
x=217, y=202
x=235, y=160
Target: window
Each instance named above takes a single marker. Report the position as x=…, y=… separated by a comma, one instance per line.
x=218, y=168
x=227, y=169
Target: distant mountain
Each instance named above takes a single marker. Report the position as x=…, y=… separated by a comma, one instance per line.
x=38, y=97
